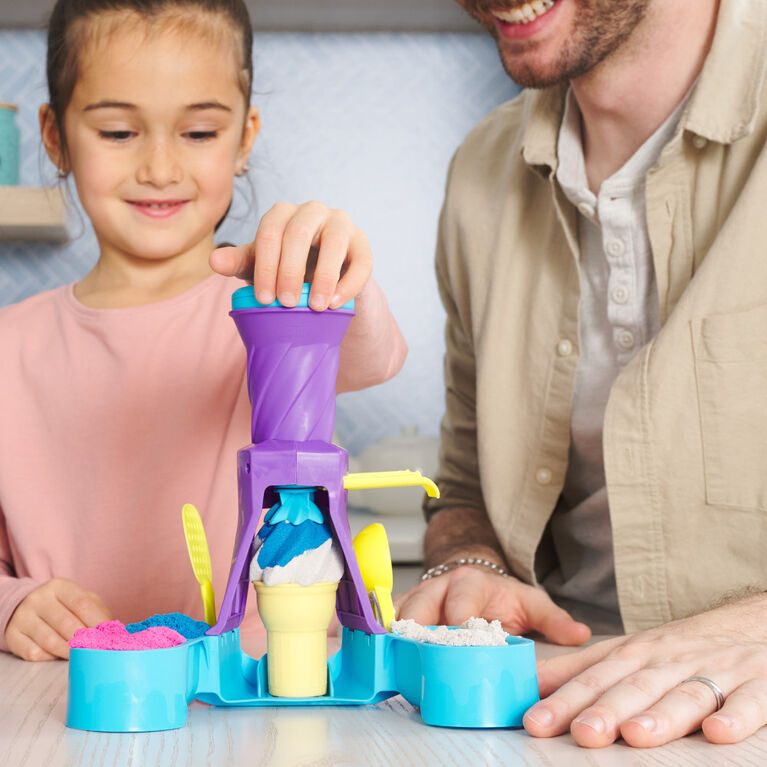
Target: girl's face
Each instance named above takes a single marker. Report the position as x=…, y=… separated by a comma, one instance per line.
x=156, y=129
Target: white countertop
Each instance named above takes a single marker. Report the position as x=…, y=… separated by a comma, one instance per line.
x=33, y=734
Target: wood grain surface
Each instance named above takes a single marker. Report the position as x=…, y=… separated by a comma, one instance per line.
x=33, y=734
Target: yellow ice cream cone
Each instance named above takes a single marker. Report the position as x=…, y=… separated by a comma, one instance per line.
x=296, y=620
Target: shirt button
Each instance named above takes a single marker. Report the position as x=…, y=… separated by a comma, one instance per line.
x=564, y=348
x=616, y=247
x=626, y=339
x=543, y=476
x=699, y=142
x=619, y=294
x=586, y=209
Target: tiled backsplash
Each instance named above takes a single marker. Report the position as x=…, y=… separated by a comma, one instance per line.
x=364, y=122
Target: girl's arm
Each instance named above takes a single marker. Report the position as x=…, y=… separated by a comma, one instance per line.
x=12, y=589
x=38, y=619
x=373, y=349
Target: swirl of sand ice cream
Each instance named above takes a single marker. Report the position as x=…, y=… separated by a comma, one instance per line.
x=322, y=564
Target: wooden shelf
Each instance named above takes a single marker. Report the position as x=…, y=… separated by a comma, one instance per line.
x=32, y=213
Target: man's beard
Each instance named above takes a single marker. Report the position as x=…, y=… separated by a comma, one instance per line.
x=601, y=28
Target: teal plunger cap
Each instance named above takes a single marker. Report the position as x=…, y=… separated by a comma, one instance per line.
x=296, y=505
x=244, y=298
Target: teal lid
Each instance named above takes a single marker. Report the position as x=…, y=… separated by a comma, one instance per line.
x=244, y=298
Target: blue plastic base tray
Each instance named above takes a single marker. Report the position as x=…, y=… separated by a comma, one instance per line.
x=146, y=690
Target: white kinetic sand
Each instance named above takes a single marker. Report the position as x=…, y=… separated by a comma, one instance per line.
x=475, y=632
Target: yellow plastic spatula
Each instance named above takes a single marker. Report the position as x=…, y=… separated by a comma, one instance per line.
x=372, y=549
x=197, y=543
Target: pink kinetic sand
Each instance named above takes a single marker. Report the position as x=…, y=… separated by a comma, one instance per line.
x=112, y=635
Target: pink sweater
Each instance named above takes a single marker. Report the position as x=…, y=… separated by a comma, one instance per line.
x=112, y=419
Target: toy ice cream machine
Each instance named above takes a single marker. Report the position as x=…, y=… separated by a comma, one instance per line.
x=304, y=565
x=302, y=562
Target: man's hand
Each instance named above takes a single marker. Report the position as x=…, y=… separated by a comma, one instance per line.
x=298, y=243
x=634, y=686
x=47, y=618
x=469, y=592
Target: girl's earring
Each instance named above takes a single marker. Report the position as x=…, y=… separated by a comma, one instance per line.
x=62, y=173
x=243, y=170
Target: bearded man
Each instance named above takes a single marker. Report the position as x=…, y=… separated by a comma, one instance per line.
x=602, y=259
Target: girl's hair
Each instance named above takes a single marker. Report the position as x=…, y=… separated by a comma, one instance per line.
x=66, y=39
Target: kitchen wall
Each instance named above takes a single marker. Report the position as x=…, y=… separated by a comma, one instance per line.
x=365, y=122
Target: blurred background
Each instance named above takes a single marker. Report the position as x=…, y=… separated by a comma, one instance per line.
x=363, y=103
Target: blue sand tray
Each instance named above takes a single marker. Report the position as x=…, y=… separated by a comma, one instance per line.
x=147, y=690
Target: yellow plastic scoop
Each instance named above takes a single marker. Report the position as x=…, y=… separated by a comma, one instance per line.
x=372, y=549
x=197, y=543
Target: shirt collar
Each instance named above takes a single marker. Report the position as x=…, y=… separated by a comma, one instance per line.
x=571, y=172
x=543, y=116
x=723, y=106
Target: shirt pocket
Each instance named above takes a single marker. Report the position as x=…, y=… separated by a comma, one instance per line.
x=731, y=370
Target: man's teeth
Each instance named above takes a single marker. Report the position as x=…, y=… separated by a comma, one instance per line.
x=524, y=14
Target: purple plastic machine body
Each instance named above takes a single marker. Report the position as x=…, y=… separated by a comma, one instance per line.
x=292, y=363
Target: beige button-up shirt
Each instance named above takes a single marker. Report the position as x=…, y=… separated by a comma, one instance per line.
x=685, y=430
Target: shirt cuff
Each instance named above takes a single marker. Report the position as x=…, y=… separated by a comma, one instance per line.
x=12, y=592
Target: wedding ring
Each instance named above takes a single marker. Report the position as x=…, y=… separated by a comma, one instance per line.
x=713, y=686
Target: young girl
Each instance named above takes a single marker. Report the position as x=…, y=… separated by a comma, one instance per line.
x=123, y=395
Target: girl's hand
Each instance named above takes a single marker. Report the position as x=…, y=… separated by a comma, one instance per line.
x=468, y=592
x=635, y=686
x=301, y=243
x=47, y=618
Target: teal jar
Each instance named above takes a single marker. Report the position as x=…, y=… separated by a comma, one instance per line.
x=9, y=145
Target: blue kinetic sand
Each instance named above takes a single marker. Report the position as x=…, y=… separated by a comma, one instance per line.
x=188, y=627
x=283, y=542
x=146, y=690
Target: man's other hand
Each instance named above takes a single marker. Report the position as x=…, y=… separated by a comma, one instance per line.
x=468, y=592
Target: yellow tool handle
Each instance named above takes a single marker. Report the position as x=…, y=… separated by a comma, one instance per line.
x=385, y=604
x=369, y=479
x=196, y=542
x=208, y=602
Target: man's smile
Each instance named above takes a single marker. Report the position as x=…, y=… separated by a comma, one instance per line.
x=525, y=21
x=524, y=14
